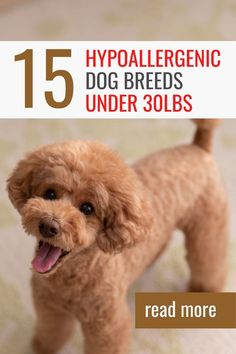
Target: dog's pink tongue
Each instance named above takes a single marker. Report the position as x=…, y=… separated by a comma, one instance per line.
x=46, y=257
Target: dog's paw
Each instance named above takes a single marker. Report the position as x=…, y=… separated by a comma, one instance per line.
x=39, y=348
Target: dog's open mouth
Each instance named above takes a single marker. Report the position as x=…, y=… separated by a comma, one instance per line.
x=47, y=257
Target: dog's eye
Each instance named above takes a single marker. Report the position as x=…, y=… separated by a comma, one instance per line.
x=50, y=194
x=87, y=208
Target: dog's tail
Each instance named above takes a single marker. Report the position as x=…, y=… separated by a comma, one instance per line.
x=205, y=132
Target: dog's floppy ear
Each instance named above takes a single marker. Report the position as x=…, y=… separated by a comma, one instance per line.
x=127, y=219
x=19, y=183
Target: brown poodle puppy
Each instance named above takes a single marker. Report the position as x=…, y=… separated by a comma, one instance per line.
x=99, y=224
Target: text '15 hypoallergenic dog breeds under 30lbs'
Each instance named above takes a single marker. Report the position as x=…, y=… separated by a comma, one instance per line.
x=99, y=223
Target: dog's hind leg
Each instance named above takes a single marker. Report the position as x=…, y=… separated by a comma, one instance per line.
x=206, y=242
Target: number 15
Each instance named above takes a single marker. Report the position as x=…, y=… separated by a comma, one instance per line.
x=27, y=56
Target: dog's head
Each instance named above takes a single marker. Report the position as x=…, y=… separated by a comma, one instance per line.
x=75, y=195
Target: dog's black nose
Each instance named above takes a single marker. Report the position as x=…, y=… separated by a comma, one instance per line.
x=49, y=228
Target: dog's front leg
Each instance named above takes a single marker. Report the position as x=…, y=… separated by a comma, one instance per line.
x=53, y=329
x=109, y=335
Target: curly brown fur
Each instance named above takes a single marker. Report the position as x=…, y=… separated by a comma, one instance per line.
x=135, y=211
